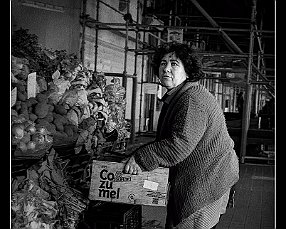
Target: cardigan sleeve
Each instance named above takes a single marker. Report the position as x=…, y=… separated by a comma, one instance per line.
x=185, y=130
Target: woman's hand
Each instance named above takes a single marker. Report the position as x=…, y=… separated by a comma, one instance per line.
x=132, y=167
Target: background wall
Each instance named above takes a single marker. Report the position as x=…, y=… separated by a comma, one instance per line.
x=55, y=30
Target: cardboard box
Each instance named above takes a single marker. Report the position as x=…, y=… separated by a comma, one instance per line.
x=109, y=183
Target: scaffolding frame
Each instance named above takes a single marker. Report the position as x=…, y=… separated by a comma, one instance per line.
x=256, y=74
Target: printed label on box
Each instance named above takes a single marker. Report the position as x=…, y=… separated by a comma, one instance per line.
x=150, y=185
x=106, y=188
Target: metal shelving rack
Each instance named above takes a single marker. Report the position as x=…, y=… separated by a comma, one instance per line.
x=256, y=74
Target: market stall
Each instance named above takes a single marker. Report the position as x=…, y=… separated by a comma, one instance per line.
x=62, y=117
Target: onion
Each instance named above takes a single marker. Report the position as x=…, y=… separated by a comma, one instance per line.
x=26, y=123
x=31, y=145
x=18, y=131
x=22, y=146
x=31, y=129
x=20, y=119
x=49, y=139
x=38, y=138
x=15, y=141
x=20, y=125
x=41, y=130
x=26, y=138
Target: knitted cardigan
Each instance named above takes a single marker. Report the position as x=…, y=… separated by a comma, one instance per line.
x=192, y=139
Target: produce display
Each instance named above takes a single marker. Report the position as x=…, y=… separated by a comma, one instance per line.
x=71, y=106
x=28, y=138
x=62, y=105
x=45, y=200
x=114, y=94
x=31, y=208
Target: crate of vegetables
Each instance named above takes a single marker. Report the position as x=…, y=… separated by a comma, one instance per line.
x=109, y=183
x=29, y=141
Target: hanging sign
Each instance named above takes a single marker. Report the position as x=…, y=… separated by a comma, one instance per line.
x=230, y=75
x=150, y=88
x=175, y=35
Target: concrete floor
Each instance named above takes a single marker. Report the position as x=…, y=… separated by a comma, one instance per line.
x=254, y=202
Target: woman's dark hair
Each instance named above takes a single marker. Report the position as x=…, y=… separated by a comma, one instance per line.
x=186, y=54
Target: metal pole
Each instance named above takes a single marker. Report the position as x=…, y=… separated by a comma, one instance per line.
x=247, y=103
x=141, y=88
x=96, y=37
x=246, y=20
x=170, y=18
x=222, y=96
x=133, y=110
x=234, y=99
x=261, y=53
x=158, y=38
x=124, y=80
x=134, y=85
x=180, y=27
x=83, y=31
x=257, y=86
x=111, y=7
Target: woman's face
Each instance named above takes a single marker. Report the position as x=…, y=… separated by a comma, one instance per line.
x=171, y=71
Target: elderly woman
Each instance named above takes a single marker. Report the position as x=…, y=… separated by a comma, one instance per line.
x=192, y=140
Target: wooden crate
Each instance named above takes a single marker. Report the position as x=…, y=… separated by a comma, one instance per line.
x=109, y=183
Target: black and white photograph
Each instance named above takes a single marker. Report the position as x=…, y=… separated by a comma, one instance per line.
x=143, y=114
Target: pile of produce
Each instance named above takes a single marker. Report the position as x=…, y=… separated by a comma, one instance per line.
x=27, y=50
x=67, y=94
x=72, y=102
x=28, y=138
x=32, y=208
x=114, y=94
x=41, y=111
x=72, y=106
x=45, y=199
